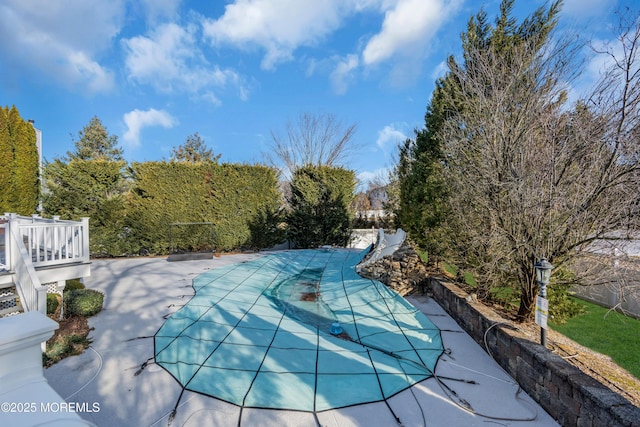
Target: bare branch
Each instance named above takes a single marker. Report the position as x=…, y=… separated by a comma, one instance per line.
x=317, y=140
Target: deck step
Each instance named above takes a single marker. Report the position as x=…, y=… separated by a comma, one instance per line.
x=9, y=301
x=4, y=286
x=8, y=289
x=12, y=311
x=7, y=297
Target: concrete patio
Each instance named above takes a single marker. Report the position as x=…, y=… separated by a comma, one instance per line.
x=140, y=292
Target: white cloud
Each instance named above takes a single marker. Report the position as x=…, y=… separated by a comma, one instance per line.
x=94, y=77
x=169, y=60
x=389, y=137
x=159, y=58
x=408, y=28
x=61, y=39
x=137, y=120
x=377, y=175
x=278, y=27
x=362, y=5
x=586, y=8
x=596, y=66
x=343, y=73
x=601, y=62
x=156, y=10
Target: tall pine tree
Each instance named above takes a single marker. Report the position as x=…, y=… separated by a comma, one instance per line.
x=95, y=143
x=422, y=206
x=427, y=207
x=90, y=182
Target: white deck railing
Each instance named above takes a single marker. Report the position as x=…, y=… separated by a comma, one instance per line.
x=4, y=238
x=33, y=242
x=33, y=295
x=55, y=241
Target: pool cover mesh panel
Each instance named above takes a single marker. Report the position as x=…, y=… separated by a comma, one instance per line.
x=258, y=334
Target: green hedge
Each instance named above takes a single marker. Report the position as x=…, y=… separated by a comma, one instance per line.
x=73, y=284
x=231, y=196
x=131, y=209
x=20, y=166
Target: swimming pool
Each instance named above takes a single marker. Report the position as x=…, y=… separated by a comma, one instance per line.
x=259, y=334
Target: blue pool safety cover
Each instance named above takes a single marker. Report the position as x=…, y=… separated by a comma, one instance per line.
x=258, y=334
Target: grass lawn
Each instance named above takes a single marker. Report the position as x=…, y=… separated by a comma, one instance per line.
x=613, y=334
x=452, y=271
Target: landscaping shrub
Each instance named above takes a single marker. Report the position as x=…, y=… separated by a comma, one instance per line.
x=562, y=305
x=52, y=303
x=230, y=196
x=64, y=346
x=73, y=284
x=267, y=229
x=83, y=302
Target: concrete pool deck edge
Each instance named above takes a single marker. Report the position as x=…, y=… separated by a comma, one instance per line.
x=564, y=391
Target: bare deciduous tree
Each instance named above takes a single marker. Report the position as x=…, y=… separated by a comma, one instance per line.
x=530, y=176
x=612, y=270
x=312, y=140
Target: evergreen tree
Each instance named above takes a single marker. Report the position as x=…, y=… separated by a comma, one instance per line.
x=95, y=143
x=94, y=189
x=429, y=205
x=26, y=164
x=90, y=182
x=194, y=150
x=422, y=206
x=319, y=202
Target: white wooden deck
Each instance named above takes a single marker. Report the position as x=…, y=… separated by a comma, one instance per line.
x=36, y=251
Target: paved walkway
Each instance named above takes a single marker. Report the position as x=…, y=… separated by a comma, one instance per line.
x=140, y=292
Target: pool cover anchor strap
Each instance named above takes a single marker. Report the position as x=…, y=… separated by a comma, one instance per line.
x=449, y=391
x=173, y=413
x=144, y=365
x=139, y=338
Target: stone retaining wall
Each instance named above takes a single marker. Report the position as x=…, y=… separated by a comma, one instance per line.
x=564, y=391
x=569, y=395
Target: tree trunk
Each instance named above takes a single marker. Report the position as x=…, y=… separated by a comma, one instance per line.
x=527, y=302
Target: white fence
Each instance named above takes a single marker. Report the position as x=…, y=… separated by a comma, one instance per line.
x=622, y=298
x=617, y=262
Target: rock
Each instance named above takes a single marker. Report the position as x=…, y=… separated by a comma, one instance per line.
x=403, y=271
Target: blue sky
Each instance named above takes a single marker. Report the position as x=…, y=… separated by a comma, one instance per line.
x=156, y=71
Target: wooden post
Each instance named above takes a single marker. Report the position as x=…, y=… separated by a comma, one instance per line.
x=85, y=238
